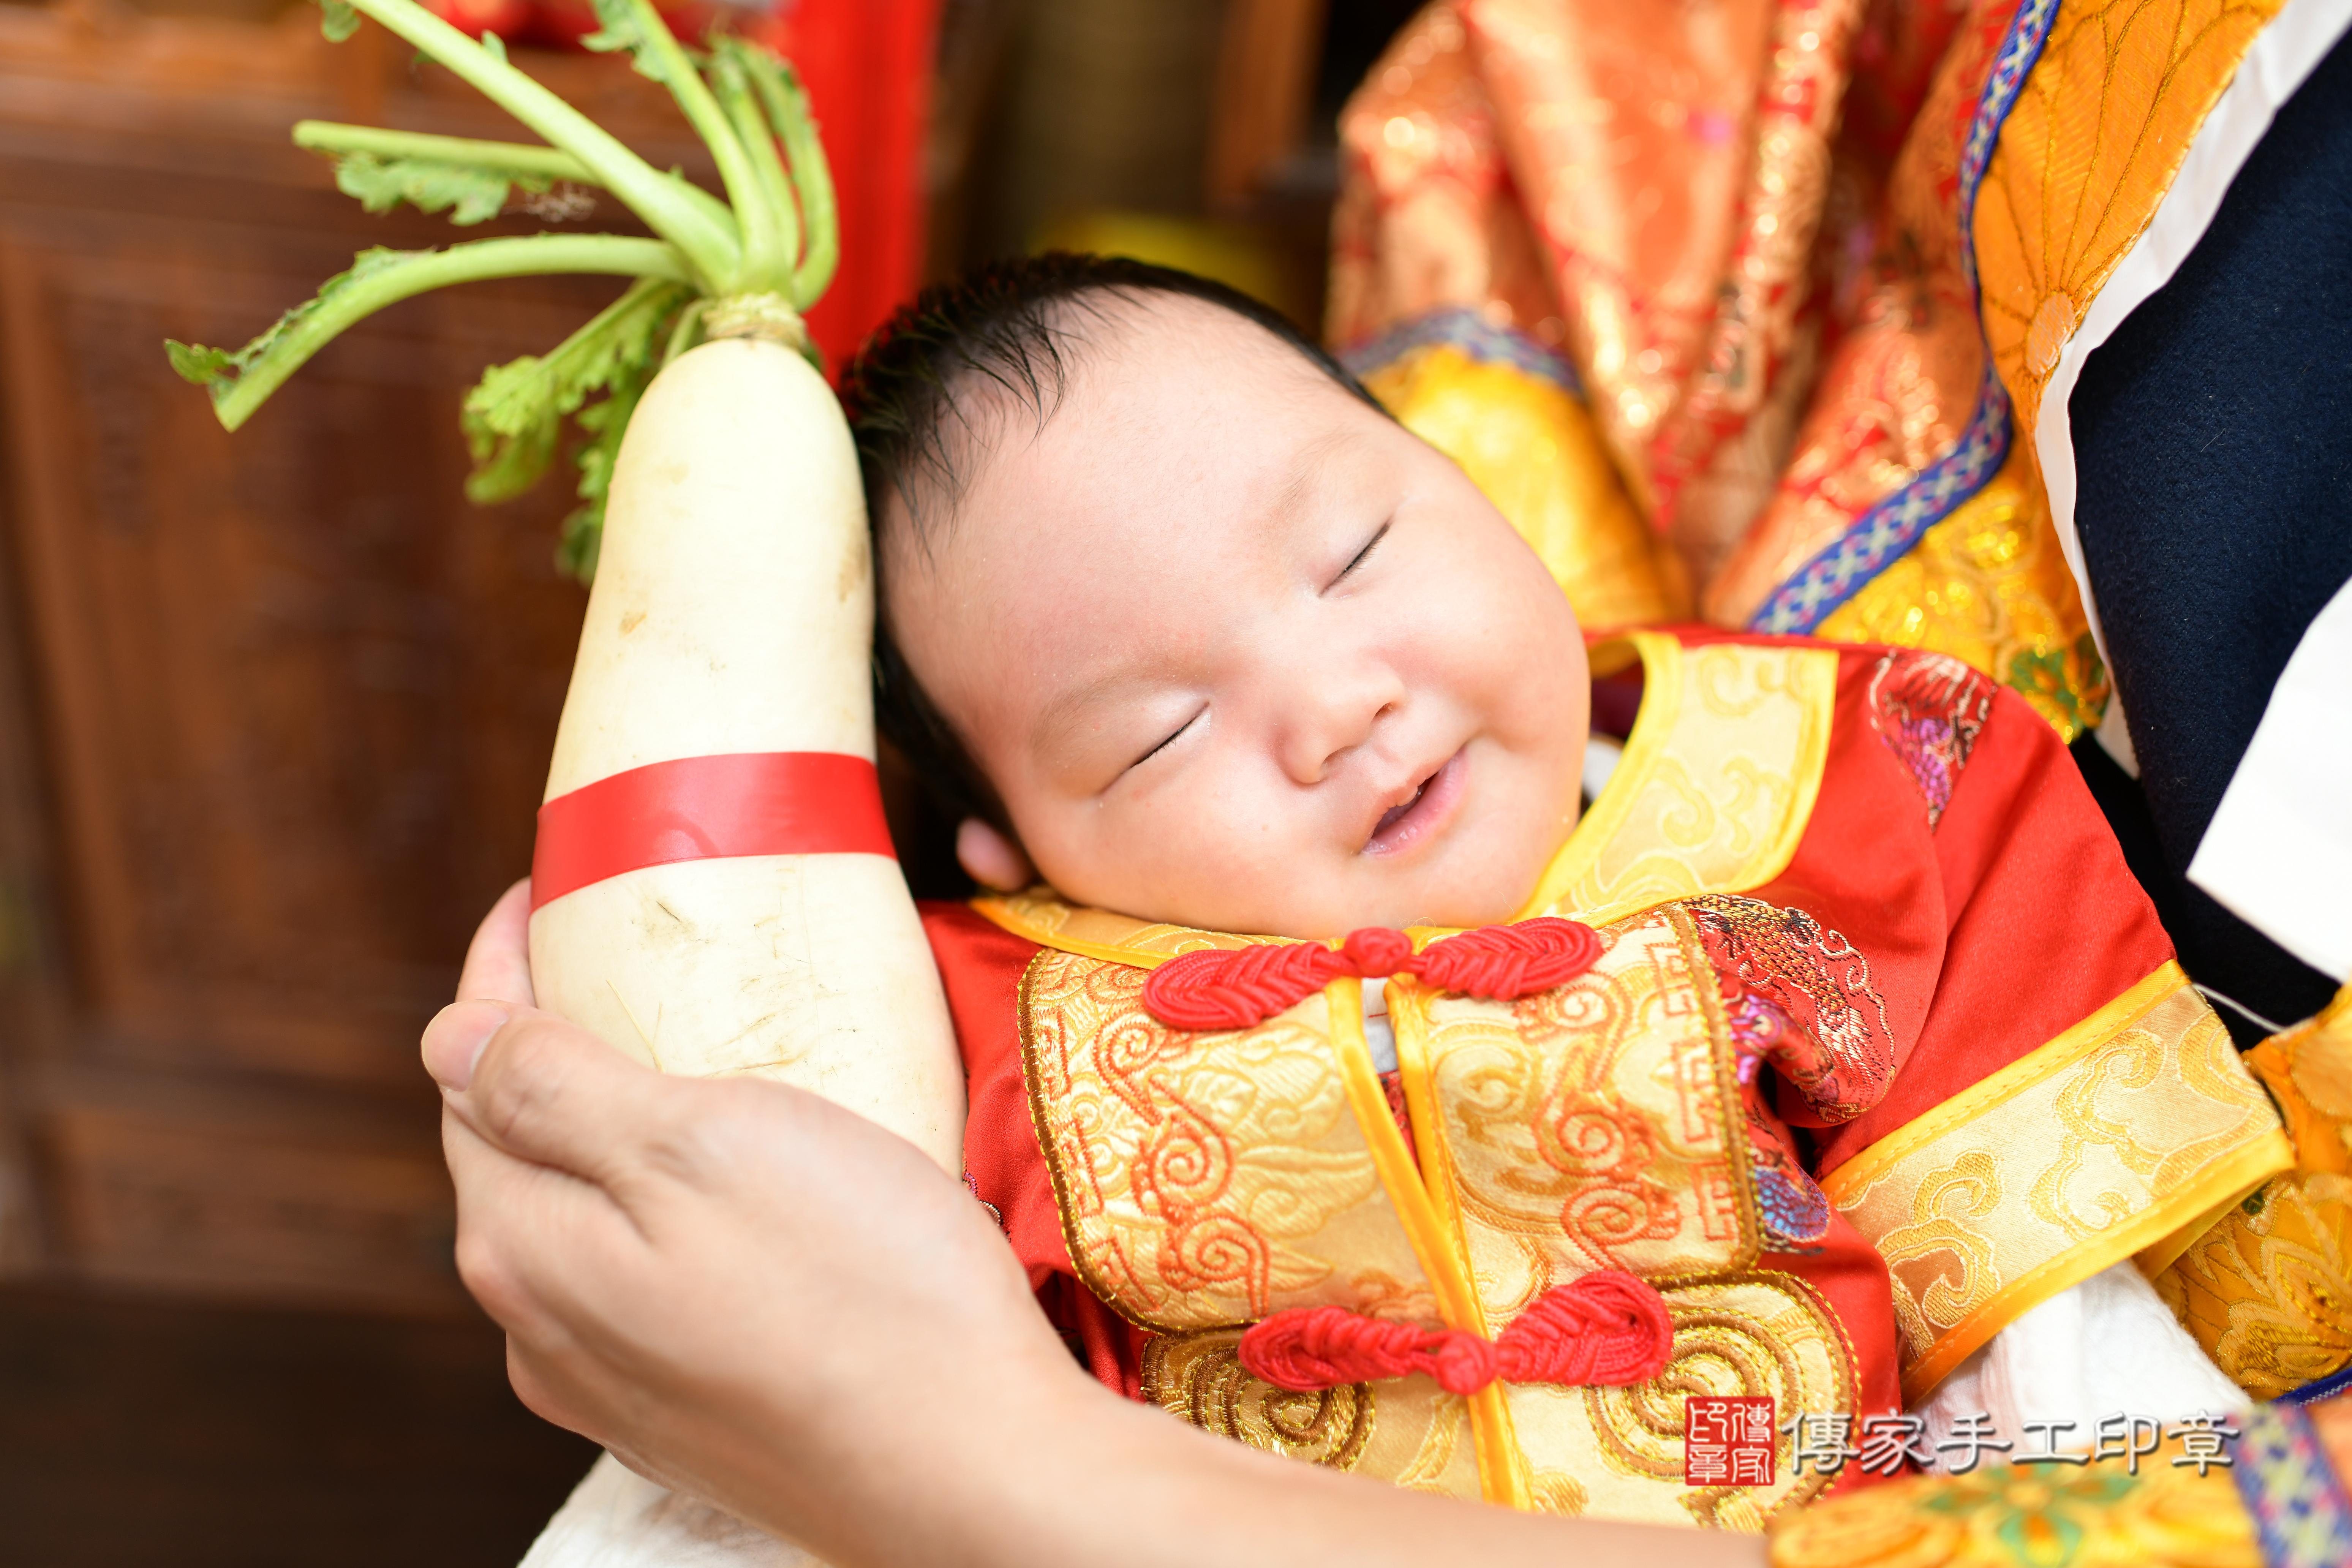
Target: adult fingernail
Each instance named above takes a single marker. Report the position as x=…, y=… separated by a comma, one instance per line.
x=454, y=1038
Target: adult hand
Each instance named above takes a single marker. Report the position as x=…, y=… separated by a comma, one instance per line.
x=757, y=1298
x=735, y=1285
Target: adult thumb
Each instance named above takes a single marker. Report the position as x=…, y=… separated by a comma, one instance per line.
x=543, y=1090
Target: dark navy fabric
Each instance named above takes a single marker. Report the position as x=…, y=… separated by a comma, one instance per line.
x=2213, y=440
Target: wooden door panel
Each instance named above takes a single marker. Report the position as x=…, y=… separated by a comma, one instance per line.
x=299, y=693
x=279, y=704
x=305, y=1210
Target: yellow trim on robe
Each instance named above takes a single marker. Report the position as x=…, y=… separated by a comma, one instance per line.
x=2115, y=1138
x=1456, y=1305
x=1716, y=786
x=1500, y=1472
x=1500, y=1475
x=1208, y=1179
x=1142, y=1135
x=2267, y=1291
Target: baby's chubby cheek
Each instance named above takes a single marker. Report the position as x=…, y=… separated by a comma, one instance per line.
x=1209, y=857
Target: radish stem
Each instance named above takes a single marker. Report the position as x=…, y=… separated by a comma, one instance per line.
x=787, y=104
x=506, y=157
x=714, y=251
x=519, y=158
x=634, y=25
x=513, y=419
x=769, y=245
x=396, y=276
x=686, y=332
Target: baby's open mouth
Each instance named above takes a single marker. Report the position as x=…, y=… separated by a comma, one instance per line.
x=1430, y=804
x=1395, y=813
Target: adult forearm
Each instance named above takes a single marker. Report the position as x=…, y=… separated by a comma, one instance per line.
x=1078, y=1477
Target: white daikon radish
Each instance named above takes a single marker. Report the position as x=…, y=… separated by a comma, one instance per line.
x=732, y=616
x=733, y=613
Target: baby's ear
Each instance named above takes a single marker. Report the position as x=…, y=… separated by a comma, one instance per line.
x=991, y=859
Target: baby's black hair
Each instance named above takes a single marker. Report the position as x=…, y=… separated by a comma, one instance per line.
x=1002, y=331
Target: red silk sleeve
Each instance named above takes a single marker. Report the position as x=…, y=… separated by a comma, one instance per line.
x=1990, y=933
x=1850, y=1275
x=980, y=964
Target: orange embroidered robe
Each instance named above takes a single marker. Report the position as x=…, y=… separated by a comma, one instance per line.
x=1886, y=1046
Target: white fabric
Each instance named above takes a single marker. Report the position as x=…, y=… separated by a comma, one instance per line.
x=1379, y=1035
x=1602, y=756
x=2114, y=735
x=2107, y=1346
x=617, y=1518
x=2278, y=853
x=2281, y=55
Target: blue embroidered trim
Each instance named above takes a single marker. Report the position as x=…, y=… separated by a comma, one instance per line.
x=1462, y=327
x=1884, y=532
x=2293, y=1494
x=2312, y=1393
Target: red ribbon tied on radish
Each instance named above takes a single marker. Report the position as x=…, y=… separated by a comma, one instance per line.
x=708, y=809
x=1607, y=1328
x=1233, y=989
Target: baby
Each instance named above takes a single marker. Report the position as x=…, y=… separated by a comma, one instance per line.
x=1205, y=635
x=1882, y=1058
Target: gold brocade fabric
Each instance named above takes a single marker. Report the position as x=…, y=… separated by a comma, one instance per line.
x=1531, y=445
x=1617, y=1453
x=1408, y=1430
x=1637, y=1047
x=1899, y=389
x=1207, y=1180
x=2123, y=1137
x=1714, y=793
x=2268, y=1290
x=1811, y=260
x=2003, y=1516
x=1716, y=784
x=1638, y=183
x=1988, y=585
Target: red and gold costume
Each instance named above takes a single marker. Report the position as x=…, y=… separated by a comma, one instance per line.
x=1788, y=285
x=1781, y=281
x=1885, y=1045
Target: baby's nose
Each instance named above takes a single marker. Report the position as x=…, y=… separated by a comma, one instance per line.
x=1335, y=717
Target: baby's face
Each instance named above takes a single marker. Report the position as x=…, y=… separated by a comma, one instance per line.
x=1238, y=652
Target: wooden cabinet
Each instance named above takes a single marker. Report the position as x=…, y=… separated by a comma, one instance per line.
x=275, y=708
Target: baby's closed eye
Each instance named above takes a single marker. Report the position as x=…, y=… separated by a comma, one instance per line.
x=1361, y=555
x=1164, y=743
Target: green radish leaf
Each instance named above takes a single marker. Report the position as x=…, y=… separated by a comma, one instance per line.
x=218, y=369
x=623, y=28
x=337, y=20
x=198, y=364
x=582, y=541
x=606, y=423
x=513, y=418
x=494, y=46
x=470, y=194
